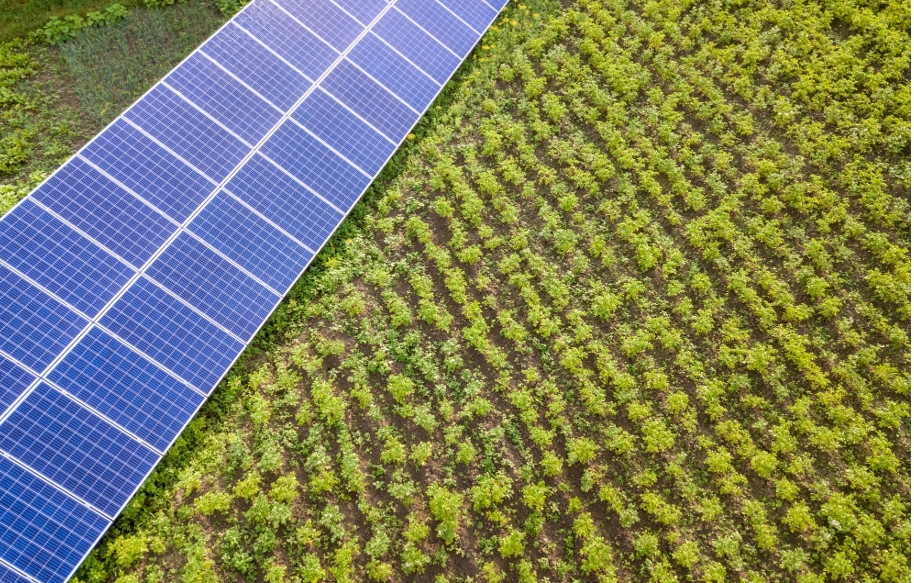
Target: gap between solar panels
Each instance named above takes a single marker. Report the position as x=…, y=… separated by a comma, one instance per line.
x=134, y=276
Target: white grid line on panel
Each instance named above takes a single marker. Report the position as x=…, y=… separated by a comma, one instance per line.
x=362, y=119
x=331, y=148
x=436, y=39
x=268, y=49
x=177, y=156
x=486, y=2
x=405, y=58
x=308, y=28
x=267, y=219
x=454, y=14
x=383, y=86
x=232, y=262
x=191, y=307
x=240, y=81
x=206, y=114
x=16, y=570
x=302, y=184
x=54, y=485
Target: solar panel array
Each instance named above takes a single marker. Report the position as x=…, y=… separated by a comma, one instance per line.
x=133, y=277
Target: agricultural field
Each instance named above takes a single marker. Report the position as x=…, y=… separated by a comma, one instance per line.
x=631, y=304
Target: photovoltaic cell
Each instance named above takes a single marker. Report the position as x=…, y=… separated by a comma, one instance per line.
x=188, y=132
x=250, y=241
x=87, y=406
x=60, y=259
x=251, y=62
x=45, y=533
x=416, y=45
x=173, y=334
x=326, y=20
x=363, y=10
x=214, y=286
x=344, y=131
x=440, y=23
x=76, y=449
x=14, y=380
x=150, y=171
x=34, y=327
x=127, y=388
x=109, y=214
x=305, y=51
x=476, y=13
x=370, y=100
x=393, y=71
x=315, y=165
x=284, y=201
x=224, y=98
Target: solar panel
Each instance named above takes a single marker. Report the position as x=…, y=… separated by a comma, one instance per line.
x=134, y=276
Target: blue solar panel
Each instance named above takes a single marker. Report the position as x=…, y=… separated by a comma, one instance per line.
x=45, y=533
x=363, y=10
x=60, y=259
x=173, y=334
x=370, y=100
x=326, y=20
x=417, y=45
x=34, y=328
x=221, y=96
x=475, y=13
x=148, y=170
x=109, y=214
x=76, y=449
x=126, y=388
x=284, y=201
x=251, y=241
x=315, y=165
x=188, y=132
x=14, y=380
x=344, y=131
x=214, y=286
x=217, y=186
x=288, y=38
x=254, y=64
x=392, y=70
x=440, y=23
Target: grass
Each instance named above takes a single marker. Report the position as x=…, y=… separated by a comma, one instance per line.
x=112, y=66
x=18, y=18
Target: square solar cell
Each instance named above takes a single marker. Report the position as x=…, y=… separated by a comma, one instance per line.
x=344, y=131
x=148, y=169
x=45, y=533
x=251, y=62
x=417, y=45
x=440, y=23
x=214, y=286
x=60, y=259
x=14, y=380
x=326, y=19
x=224, y=98
x=189, y=133
x=76, y=449
x=109, y=214
x=390, y=69
x=284, y=201
x=251, y=241
x=125, y=387
x=315, y=165
x=288, y=38
x=7, y=575
x=34, y=327
x=172, y=334
x=476, y=13
x=370, y=100
x=363, y=10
